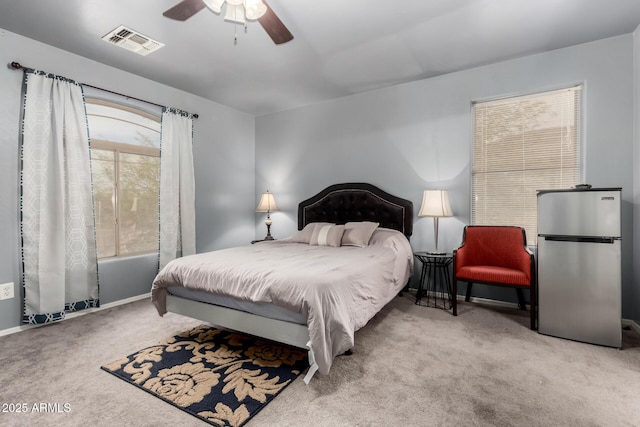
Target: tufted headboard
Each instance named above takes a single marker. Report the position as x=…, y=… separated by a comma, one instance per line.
x=342, y=203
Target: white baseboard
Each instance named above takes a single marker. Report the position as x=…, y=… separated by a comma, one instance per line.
x=493, y=302
x=486, y=301
x=21, y=328
x=632, y=324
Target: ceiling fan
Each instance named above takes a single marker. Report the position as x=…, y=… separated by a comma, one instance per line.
x=236, y=11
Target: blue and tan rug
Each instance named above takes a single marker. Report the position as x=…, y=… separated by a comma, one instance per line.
x=221, y=377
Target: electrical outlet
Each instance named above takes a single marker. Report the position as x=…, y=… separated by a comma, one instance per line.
x=6, y=291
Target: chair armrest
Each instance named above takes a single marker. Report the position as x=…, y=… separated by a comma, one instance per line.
x=460, y=257
x=525, y=262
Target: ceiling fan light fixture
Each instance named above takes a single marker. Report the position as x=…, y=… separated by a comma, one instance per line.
x=254, y=9
x=214, y=5
x=235, y=13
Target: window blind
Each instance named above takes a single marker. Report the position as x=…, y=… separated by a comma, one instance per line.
x=521, y=145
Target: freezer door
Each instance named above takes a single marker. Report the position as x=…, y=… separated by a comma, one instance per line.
x=579, y=213
x=579, y=290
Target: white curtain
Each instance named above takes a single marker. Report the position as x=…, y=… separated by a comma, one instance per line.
x=177, y=187
x=60, y=266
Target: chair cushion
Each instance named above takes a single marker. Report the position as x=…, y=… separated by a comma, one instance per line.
x=493, y=274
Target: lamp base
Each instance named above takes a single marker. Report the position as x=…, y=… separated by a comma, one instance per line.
x=436, y=253
x=268, y=223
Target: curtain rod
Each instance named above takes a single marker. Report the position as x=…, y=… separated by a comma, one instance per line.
x=17, y=66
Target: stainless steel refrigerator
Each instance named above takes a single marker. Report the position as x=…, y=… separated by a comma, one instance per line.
x=579, y=265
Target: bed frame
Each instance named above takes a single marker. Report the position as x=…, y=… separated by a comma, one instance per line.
x=339, y=204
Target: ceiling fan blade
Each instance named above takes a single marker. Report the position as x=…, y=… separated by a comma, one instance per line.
x=274, y=26
x=184, y=10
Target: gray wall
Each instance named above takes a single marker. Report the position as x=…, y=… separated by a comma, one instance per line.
x=224, y=166
x=419, y=135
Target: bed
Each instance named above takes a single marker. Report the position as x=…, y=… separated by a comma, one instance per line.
x=305, y=290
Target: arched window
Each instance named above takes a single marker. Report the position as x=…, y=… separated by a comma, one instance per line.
x=125, y=161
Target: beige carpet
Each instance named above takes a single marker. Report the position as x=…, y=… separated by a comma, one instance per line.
x=412, y=366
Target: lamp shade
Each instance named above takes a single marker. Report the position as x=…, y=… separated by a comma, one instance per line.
x=435, y=203
x=267, y=203
x=214, y=5
x=234, y=13
x=254, y=9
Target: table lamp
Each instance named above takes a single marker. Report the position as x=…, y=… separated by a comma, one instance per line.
x=267, y=204
x=435, y=203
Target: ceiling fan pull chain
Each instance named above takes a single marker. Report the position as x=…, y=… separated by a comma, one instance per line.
x=235, y=32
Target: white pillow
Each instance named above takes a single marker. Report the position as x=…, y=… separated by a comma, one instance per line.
x=382, y=235
x=358, y=233
x=327, y=235
x=304, y=235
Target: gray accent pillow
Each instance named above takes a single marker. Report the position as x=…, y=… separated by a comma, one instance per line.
x=327, y=235
x=304, y=235
x=358, y=233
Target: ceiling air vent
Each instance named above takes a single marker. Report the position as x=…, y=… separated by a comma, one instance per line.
x=132, y=40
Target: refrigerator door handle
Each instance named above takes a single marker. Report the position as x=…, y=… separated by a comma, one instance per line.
x=582, y=239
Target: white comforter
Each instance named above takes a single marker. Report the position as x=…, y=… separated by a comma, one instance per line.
x=337, y=289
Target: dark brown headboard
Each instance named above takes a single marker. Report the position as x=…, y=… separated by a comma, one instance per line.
x=342, y=203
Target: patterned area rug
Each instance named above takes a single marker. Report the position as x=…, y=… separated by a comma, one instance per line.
x=221, y=377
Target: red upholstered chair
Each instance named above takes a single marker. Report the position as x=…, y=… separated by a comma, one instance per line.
x=495, y=255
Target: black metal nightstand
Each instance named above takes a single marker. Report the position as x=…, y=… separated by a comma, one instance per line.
x=435, y=276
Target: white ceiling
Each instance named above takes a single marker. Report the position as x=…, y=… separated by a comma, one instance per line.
x=341, y=47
